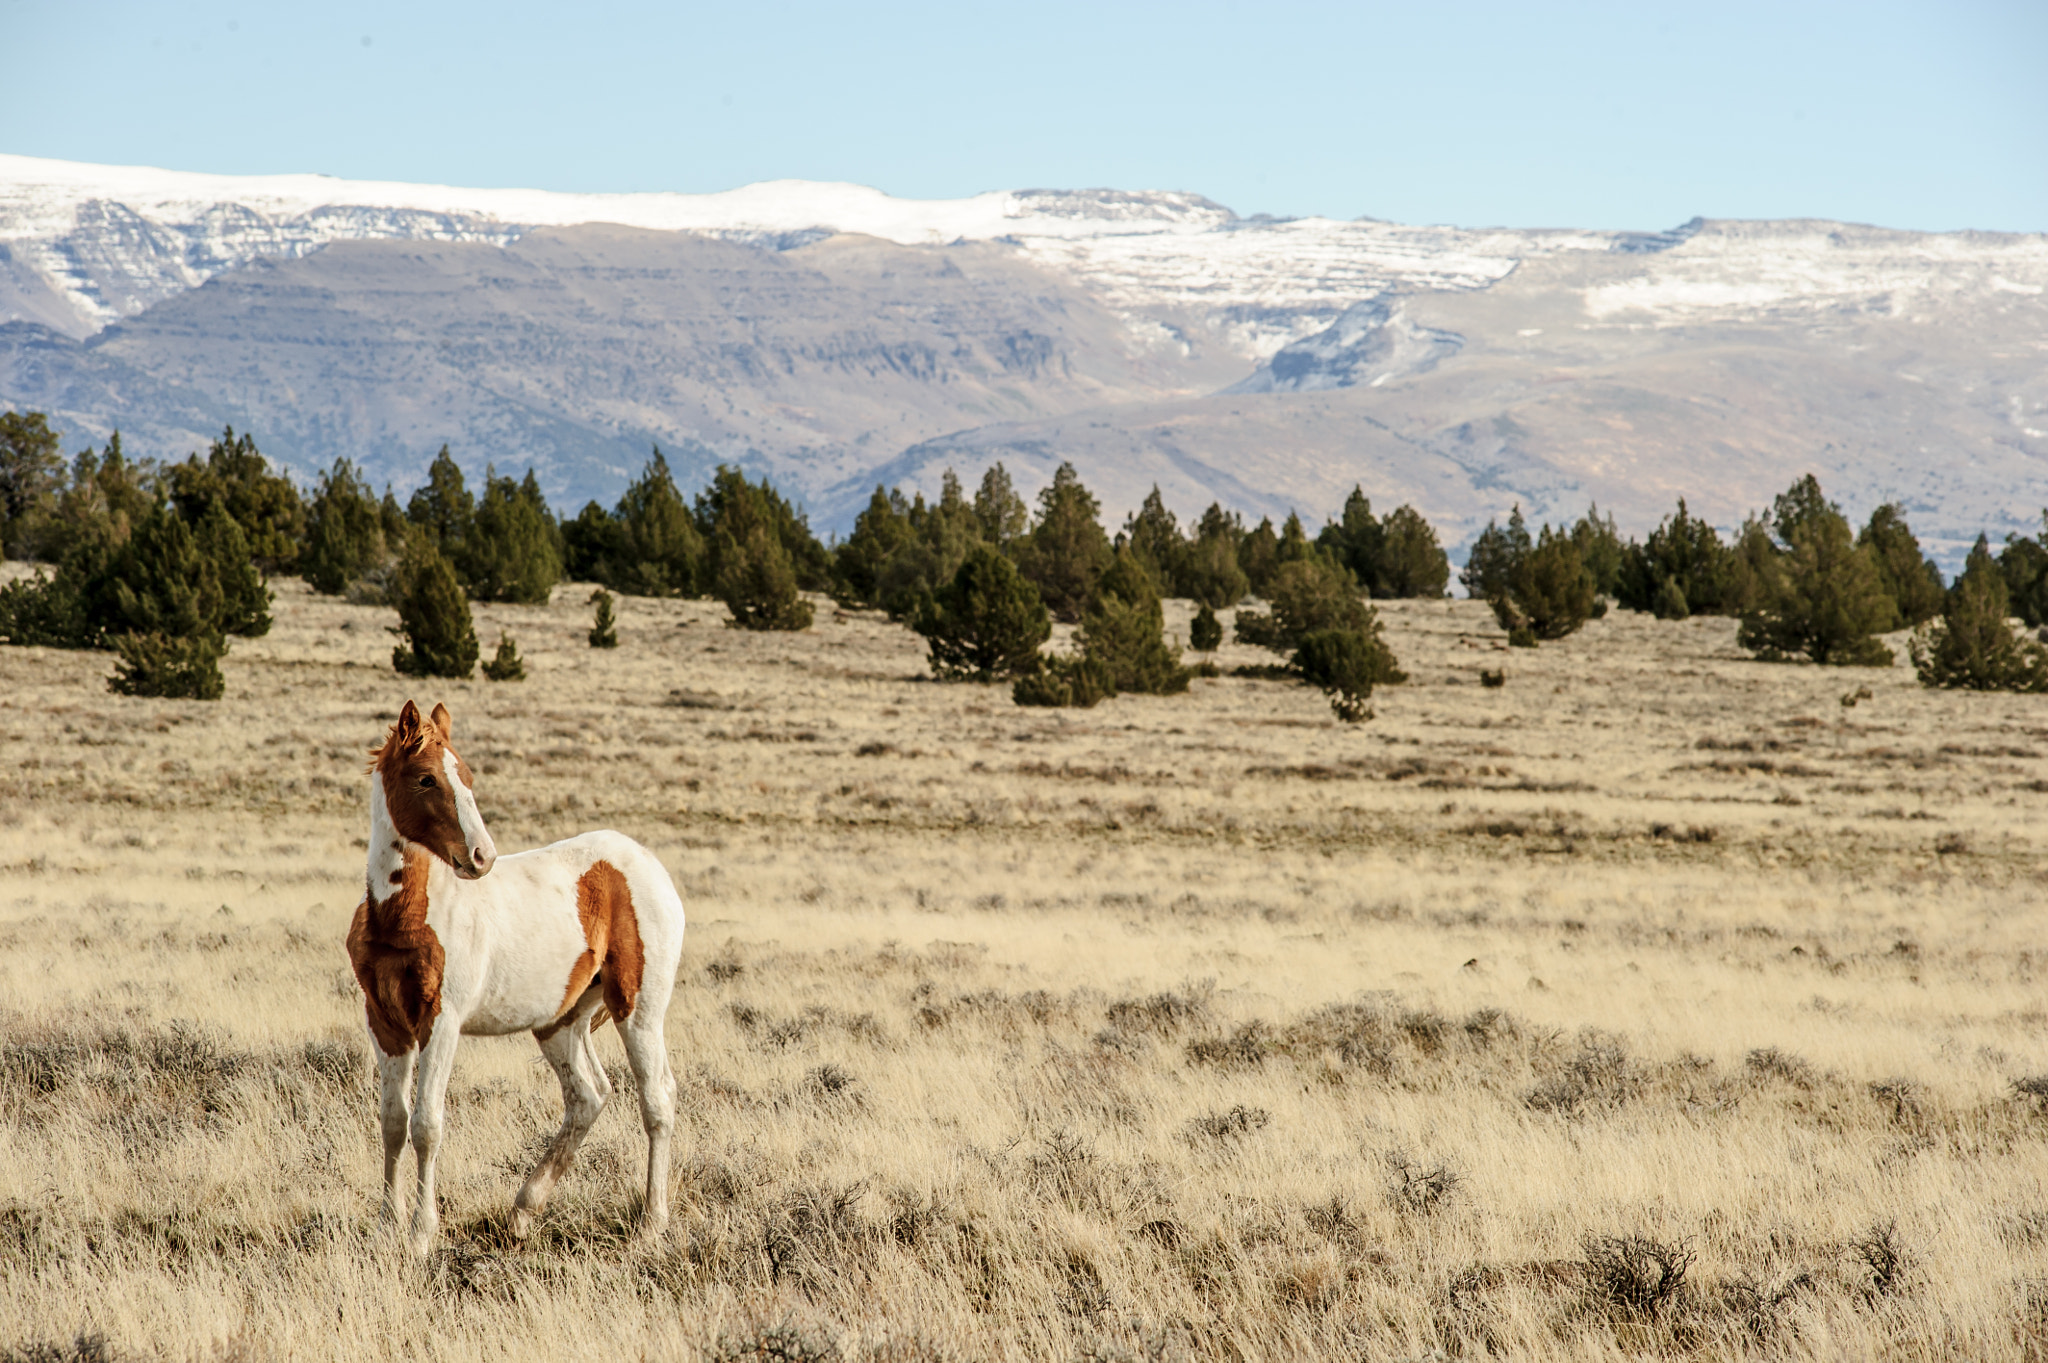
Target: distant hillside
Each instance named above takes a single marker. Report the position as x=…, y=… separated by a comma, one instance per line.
x=832, y=336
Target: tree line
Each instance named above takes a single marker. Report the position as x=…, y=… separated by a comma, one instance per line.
x=163, y=564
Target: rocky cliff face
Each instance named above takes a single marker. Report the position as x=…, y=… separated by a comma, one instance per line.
x=832, y=336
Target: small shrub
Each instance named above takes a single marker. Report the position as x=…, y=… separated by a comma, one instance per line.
x=604, y=626
x=1493, y=679
x=1768, y=1062
x=170, y=667
x=1246, y=1048
x=1883, y=1258
x=1240, y=1121
x=2035, y=1087
x=1205, y=632
x=505, y=665
x=1079, y=682
x=783, y=1343
x=1635, y=1275
x=1414, y=1188
x=88, y=1348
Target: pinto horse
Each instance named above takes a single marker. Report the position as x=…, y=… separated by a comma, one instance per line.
x=452, y=939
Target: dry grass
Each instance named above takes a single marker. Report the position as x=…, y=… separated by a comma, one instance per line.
x=1654, y=1002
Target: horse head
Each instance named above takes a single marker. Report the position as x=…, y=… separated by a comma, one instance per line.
x=428, y=792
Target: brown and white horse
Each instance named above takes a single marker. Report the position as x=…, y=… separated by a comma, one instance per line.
x=453, y=939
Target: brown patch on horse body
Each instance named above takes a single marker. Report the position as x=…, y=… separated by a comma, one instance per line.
x=611, y=934
x=398, y=960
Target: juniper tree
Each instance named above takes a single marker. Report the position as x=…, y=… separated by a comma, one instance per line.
x=1824, y=597
x=987, y=622
x=2024, y=563
x=878, y=533
x=1074, y=680
x=604, y=629
x=1123, y=630
x=1205, y=631
x=1972, y=646
x=1412, y=561
x=730, y=506
x=1002, y=514
x=1550, y=592
x=1258, y=557
x=436, y=632
x=31, y=474
x=442, y=508
x=345, y=532
x=1682, y=550
x=1909, y=578
x=936, y=545
x=1066, y=549
x=1153, y=534
x=659, y=549
x=1600, y=549
x=1210, y=571
x=264, y=503
x=244, y=600
x=757, y=581
x=168, y=666
x=1346, y=664
x=1308, y=595
x=1495, y=557
x=511, y=553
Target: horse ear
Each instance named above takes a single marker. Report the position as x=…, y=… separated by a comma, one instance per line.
x=444, y=722
x=408, y=726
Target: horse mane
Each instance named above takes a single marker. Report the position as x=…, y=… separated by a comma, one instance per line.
x=393, y=745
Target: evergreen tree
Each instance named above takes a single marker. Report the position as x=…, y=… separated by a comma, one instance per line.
x=1153, y=534
x=345, y=531
x=1124, y=630
x=1294, y=545
x=1495, y=558
x=510, y=553
x=659, y=549
x=1210, y=573
x=935, y=547
x=443, y=509
x=1910, y=579
x=1309, y=596
x=505, y=665
x=593, y=544
x=1074, y=680
x=1600, y=549
x=1356, y=540
x=169, y=666
x=106, y=495
x=1824, y=597
x=265, y=504
x=31, y=475
x=878, y=533
x=1346, y=664
x=1412, y=562
x=1683, y=550
x=2024, y=563
x=1001, y=512
x=757, y=581
x=1067, y=549
x=987, y=622
x=604, y=630
x=165, y=582
x=1258, y=557
x=437, y=634
x=1550, y=593
x=1973, y=646
x=244, y=600
x=731, y=507
x=1205, y=632
x=1670, y=603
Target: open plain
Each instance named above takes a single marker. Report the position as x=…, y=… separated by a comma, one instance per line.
x=1656, y=1003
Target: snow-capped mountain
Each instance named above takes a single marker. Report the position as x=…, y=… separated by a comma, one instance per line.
x=831, y=334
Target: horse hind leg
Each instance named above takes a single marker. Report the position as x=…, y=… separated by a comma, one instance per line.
x=566, y=1044
x=647, y=1053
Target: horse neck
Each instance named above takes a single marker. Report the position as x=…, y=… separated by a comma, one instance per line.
x=395, y=864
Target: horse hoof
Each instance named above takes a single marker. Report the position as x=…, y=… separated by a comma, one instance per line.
x=521, y=1224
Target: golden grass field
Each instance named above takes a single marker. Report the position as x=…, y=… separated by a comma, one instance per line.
x=1181, y=1028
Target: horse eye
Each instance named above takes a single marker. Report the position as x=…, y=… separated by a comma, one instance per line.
x=426, y=783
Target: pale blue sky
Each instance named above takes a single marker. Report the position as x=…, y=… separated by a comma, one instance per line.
x=1639, y=115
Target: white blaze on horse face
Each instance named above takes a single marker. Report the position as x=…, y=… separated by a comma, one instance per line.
x=475, y=837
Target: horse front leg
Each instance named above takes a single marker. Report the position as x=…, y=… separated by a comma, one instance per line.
x=429, y=1119
x=394, y=1109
